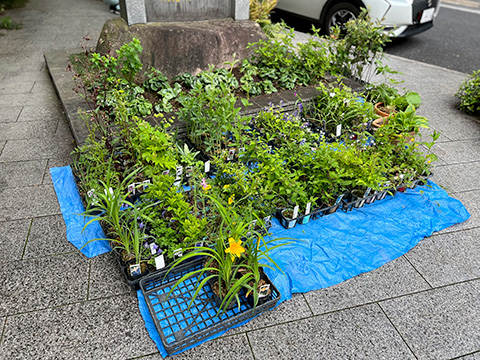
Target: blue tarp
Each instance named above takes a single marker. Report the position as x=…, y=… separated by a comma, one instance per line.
x=71, y=206
x=329, y=250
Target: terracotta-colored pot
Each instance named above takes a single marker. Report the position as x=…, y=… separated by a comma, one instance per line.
x=382, y=113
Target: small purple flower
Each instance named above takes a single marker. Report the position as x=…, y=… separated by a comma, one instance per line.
x=154, y=247
x=303, y=142
x=300, y=107
x=281, y=103
x=146, y=244
x=141, y=225
x=159, y=251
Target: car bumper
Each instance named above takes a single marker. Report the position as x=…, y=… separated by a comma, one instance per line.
x=409, y=30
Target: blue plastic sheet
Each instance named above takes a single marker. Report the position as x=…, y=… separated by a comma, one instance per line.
x=340, y=246
x=71, y=206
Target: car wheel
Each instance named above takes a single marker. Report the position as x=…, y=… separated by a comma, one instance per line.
x=339, y=15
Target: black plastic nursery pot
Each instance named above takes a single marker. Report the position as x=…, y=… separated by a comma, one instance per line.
x=180, y=325
x=303, y=219
x=286, y=222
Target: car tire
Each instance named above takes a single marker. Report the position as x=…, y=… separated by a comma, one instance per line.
x=339, y=14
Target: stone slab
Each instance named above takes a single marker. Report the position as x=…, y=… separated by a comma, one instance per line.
x=395, y=278
x=360, y=333
x=456, y=152
x=47, y=179
x=28, y=202
x=475, y=356
x=15, y=87
x=457, y=177
x=106, y=278
x=36, y=149
x=10, y=114
x=27, y=130
x=2, y=146
x=13, y=235
x=47, y=237
x=440, y=323
x=133, y=11
x=22, y=173
x=105, y=329
x=448, y=258
x=43, y=283
x=294, y=309
x=470, y=200
x=26, y=99
x=45, y=113
x=181, y=11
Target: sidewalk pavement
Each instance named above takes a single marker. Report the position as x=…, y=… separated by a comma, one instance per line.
x=55, y=303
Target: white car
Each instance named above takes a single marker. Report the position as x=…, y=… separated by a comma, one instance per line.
x=402, y=17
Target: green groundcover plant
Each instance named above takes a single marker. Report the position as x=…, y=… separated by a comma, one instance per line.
x=469, y=94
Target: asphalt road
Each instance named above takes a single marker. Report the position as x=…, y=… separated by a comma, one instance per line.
x=453, y=42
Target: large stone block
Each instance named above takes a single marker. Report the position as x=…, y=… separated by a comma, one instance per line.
x=176, y=48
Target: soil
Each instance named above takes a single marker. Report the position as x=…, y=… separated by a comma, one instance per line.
x=216, y=291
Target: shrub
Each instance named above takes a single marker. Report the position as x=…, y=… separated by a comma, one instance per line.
x=469, y=94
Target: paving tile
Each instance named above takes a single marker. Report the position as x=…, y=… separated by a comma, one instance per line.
x=26, y=99
x=439, y=323
x=22, y=173
x=36, y=149
x=470, y=200
x=448, y=258
x=455, y=152
x=43, y=87
x=27, y=130
x=294, y=309
x=2, y=146
x=19, y=87
x=104, y=329
x=28, y=202
x=37, y=113
x=26, y=75
x=42, y=283
x=10, y=113
x=395, y=278
x=47, y=237
x=457, y=177
x=360, y=333
x=475, y=356
x=13, y=235
x=106, y=278
x=458, y=127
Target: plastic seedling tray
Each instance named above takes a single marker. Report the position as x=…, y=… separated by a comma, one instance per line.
x=180, y=327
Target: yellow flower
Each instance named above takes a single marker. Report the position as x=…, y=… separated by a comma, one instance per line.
x=226, y=186
x=412, y=139
x=230, y=200
x=206, y=188
x=235, y=248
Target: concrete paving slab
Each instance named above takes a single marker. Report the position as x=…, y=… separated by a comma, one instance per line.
x=448, y=258
x=35, y=113
x=43, y=88
x=360, y=333
x=2, y=146
x=457, y=177
x=26, y=75
x=27, y=130
x=22, y=173
x=456, y=152
x=438, y=324
x=26, y=99
x=43, y=283
x=36, y=149
x=458, y=128
x=294, y=309
x=12, y=240
x=47, y=237
x=104, y=329
x=470, y=200
x=106, y=278
x=475, y=356
x=10, y=114
x=16, y=87
x=395, y=278
x=28, y=202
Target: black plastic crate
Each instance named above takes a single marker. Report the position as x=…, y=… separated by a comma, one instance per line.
x=180, y=327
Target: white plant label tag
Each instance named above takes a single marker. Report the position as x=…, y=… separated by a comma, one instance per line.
x=295, y=212
x=110, y=190
x=231, y=154
x=166, y=172
x=339, y=130
x=264, y=290
x=179, y=170
x=307, y=210
x=207, y=166
x=159, y=262
x=131, y=188
x=135, y=270
x=189, y=171
x=152, y=248
x=368, y=191
x=177, y=253
x=145, y=184
x=266, y=219
x=177, y=182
